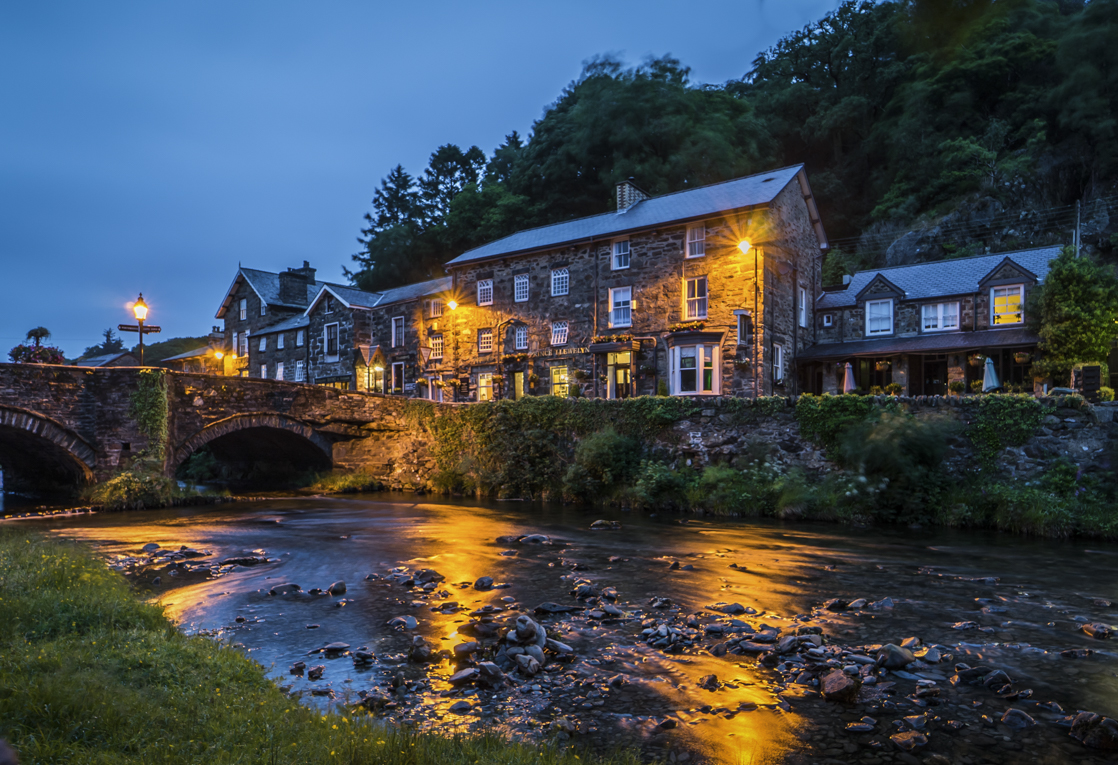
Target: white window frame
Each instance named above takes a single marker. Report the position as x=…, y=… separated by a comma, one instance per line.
x=485, y=292
x=300, y=371
x=435, y=342
x=778, y=364
x=676, y=355
x=828, y=320
x=244, y=309
x=236, y=343
x=484, y=386
x=263, y=308
x=938, y=317
x=520, y=337
x=801, y=293
x=621, y=255
x=244, y=344
x=562, y=387
x=743, y=324
x=1020, y=312
x=279, y=370
x=520, y=288
x=398, y=376
x=279, y=341
x=560, y=332
x=889, y=329
x=300, y=338
x=397, y=334
x=263, y=343
x=263, y=371
x=437, y=307
x=560, y=281
x=337, y=340
x=695, y=307
x=485, y=340
x=620, y=311
x=696, y=241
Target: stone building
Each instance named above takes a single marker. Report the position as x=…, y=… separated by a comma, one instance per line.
x=268, y=305
x=376, y=341
x=926, y=325
x=707, y=291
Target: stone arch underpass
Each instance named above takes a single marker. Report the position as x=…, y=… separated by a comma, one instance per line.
x=262, y=436
x=40, y=450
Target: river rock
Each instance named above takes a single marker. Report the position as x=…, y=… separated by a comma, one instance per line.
x=908, y=740
x=1097, y=630
x=548, y=607
x=427, y=576
x=526, y=632
x=298, y=667
x=610, y=525
x=894, y=657
x=489, y=674
x=838, y=686
x=1076, y=653
x=882, y=605
x=527, y=665
x=911, y=643
x=484, y=583
x=459, y=708
x=865, y=725
x=244, y=560
x=1095, y=731
x=336, y=647
x=361, y=657
x=337, y=588
x=315, y=672
x=1016, y=719
x=463, y=651
x=859, y=603
x=285, y=589
x=560, y=648
x=403, y=622
x=157, y=581
x=835, y=604
x=709, y=682
x=462, y=677
x=150, y=547
x=421, y=651
x=535, y=539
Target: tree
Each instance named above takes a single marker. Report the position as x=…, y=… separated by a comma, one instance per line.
x=111, y=344
x=1074, y=312
x=39, y=334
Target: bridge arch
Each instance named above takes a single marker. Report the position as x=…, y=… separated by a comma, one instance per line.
x=262, y=436
x=39, y=449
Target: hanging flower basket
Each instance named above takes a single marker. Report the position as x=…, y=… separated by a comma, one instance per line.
x=976, y=360
x=580, y=374
x=421, y=382
x=1022, y=357
x=533, y=378
x=881, y=366
x=497, y=378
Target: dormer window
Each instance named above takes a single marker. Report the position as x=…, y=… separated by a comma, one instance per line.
x=879, y=317
x=1005, y=305
x=328, y=305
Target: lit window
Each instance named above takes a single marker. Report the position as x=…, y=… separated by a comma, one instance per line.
x=279, y=341
x=484, y=340
x=485, y=386
x=520, y=288
x=436, y=308
x=693, y=369
x=263, y=344
x=397, y=331
x=696, y=241
x=485, y=292
x=621, y=255
x=244, y=309
x=330, y=341
x=620, y=307
x=559, y=333
x=940, y=316
x=299, y=339
x=803, y=306
x=559, y=382
x=236, y=343
x=436, y=346
x=1005, y=305
x=879, y=317
x=300, y=371
x=697, y=298
x=560, y=282
x=263, y=371
x=279, y=370
x=778, y=364
x=520, y=337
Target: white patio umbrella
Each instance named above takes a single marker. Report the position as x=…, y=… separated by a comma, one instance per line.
x=990, y=377
x=848, y=383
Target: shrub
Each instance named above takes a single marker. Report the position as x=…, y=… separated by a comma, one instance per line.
x=824, y=418
x=602, y=461
x=876, y=390
x=1004, y=420
x=956, y=387
x=133, y=490
x=723, y=490
x=1106, y=393
x=656, y=485
x=662, y=388
x=976, y=386
x=894, y=389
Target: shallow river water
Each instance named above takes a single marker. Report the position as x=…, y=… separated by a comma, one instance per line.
x=979, y=599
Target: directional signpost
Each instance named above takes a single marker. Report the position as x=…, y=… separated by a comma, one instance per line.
x=141, y=311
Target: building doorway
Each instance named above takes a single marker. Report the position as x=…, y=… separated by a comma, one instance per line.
x=932, y=374
x=517, y=385
x=619, y=374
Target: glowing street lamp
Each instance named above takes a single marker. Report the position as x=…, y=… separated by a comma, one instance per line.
x=744, y=246
x=453, y=304
x=140, y=311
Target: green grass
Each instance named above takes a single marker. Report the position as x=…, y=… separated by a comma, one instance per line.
x=345, y=483
x=90, y=674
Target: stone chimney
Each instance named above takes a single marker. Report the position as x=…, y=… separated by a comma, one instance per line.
x=628, y=194
x=294, y=283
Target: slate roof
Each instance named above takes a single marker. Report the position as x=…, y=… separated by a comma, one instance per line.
x=692, y=204
x=108, y=358
x=944, y=342
x=204, y=350
x=922, y=281
x=267, y=287
x=361, y=300
x=298, y=321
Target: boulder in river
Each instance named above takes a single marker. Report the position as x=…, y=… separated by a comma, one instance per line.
x=1095, y=731
x=460, y=708
x=337, y=588
x=484, y=583
x=489, y=674
x=150, y=547
x=336, y=648
x=315, y=672
x=608, y=525
x=427, y=575
x=535, y=539
x=1016, y=719
x=1097, y=630
x=462, y=677
x=908, y=740
x=838, y=686
x=285, y=589
x=894, y=657
x=709, y=682
x=548, y=607
x=403, y=622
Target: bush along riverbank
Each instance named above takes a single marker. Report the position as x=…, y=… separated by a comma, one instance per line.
x=89, y=674
x=997, y=461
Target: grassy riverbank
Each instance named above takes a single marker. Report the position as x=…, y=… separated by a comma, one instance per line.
x=89, y=674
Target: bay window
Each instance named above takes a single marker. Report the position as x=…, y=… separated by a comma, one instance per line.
x=694, y=369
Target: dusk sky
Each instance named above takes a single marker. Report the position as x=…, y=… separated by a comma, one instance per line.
x=150, y=147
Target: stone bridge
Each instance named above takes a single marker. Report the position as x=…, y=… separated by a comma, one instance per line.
x=75, y=425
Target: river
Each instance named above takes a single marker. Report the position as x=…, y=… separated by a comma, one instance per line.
x=978, y=598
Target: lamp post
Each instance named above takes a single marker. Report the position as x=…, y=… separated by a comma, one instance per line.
x=140, y=311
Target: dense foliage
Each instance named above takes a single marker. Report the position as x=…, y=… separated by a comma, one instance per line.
x=1074, y=311
x=111, y=344
x=901, y=110
x=36, y=354
x=155, y=353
